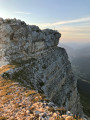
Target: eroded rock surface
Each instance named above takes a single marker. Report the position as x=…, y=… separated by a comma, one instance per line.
x=40, y=63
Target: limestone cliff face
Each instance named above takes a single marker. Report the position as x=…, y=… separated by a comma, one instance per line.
x=40, y=63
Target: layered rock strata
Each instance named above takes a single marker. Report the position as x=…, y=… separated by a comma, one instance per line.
x=40, y=63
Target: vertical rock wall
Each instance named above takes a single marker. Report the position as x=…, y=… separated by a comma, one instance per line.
x=41, y=64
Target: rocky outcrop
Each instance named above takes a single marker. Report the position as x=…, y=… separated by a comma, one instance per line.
x=19, y=41
x=40, y=63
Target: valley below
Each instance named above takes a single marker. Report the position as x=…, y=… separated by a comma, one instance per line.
x=80, y=60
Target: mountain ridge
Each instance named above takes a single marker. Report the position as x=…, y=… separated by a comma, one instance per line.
x=40, y=63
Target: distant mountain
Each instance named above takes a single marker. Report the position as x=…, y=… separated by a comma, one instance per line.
x=80, y=57
x=75, y=46
x=84, y=90
x=82, y=60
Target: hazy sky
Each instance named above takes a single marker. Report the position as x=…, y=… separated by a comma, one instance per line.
x=70, y=17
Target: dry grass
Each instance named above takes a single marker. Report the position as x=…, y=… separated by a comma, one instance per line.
x=58, y=118
x=47, y=100
x=8, y=85
x=30, y=92
x=3, y=118
x=5, y=90
x=5, y=85
x=37, y=97
x=51, y=109
x=60, y=109
x=3, y=93
x=6, y=68
x=7, y=97
x=17, y=105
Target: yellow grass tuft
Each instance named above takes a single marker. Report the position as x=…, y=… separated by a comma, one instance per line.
x=3, y=93
x=30, y=92
x=3, y=118
x=7, y=98
x=6, y=68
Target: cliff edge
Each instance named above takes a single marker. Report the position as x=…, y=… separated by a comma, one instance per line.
x=40, y=63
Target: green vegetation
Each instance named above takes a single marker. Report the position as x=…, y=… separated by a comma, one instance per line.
x=84, y=90
x=83, y=63
x=6, y=75
x=85, y=100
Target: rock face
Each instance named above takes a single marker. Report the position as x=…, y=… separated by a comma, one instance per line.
x=40, y=63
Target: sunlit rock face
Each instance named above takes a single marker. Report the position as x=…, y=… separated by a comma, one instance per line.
x=22, y=41
x=41, y=64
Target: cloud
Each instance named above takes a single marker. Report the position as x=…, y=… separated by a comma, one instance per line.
x=26, y=13
x=65, y=22
x=79, y=29
x=75, y=33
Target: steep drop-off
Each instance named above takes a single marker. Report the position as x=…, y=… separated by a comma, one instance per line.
x=40, y=63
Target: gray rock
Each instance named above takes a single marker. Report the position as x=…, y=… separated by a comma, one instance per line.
x=51, y=104
x=41, y=64
x=36, y=113
x=1, y=20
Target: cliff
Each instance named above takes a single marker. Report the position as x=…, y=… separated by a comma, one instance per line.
x=41, y=65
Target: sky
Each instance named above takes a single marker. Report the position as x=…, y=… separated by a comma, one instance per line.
x=70, y=17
